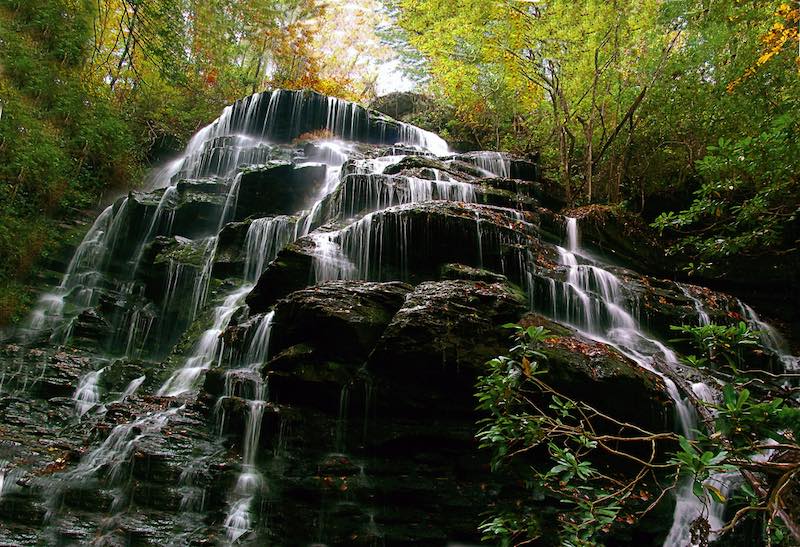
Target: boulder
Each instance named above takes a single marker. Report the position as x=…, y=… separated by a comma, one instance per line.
x=280, y=188
x=522, y=194
x=290, y=271
x=229, y=257
x=170, y=264
x=440, y=339
x=322, y=335
x=600, y=375
x=339, y=319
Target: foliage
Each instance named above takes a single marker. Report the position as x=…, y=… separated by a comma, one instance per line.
x=750, y=418
x=747, y=201
x=621, y=98
x=583, y=448
x=720, y=343
x=598, y=477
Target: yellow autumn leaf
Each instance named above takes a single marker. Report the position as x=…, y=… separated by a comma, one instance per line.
x=716, y=493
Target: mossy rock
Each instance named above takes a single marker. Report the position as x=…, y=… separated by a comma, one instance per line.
x=181, y=250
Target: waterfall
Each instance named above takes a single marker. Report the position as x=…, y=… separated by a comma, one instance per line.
x=81, y=275
x=492, y=163
x=110, y=256
x=371, y=192
x=208, y=349
x=244, y=134
x=593, y=302
x=702, y=315
x=265, y=237
x=130, y=389
x=87, y=393
x=239, y=519
x=361, y=223
x=167, y=197
x=410, y=134
x=771, y=339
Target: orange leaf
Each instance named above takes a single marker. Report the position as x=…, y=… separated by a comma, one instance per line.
x=526, y=367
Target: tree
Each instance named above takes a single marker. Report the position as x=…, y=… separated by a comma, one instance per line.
x=577, y=72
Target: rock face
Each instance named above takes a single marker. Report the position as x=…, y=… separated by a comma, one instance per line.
x=440, y=339
x=326, y=315
x=279, y=344
x=279, y=188
x=623, y=237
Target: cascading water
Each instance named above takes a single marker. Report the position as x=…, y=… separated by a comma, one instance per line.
x=265, y=237
x=81, y=273
x=492, y=163
x=592, y=301
x=702, y=315
x=208, y=349
x=87, y=394
x=239, y=520
x=359, y=193
x=240, y=136
x=771, y=339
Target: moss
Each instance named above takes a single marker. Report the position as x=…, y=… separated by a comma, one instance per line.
x=264, y=166
x=191, y=253
x=202, y=323
x=461, y=271
x=15, y=300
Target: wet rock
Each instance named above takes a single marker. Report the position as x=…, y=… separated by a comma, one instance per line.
x=277, y=188
x=229, y=256
x=325, y=315
x=623, y=237
x=601, y=376
x=61, y=374
x=322, y=335
x=190, y=211
x=433, y=234
x=290, y=271
x=91, y=329
x=416, y=165
x=440, y=339
x=168, y=261
x=521, y=194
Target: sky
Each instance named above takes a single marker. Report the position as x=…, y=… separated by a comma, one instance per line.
x=349, y=16
x=391, y=78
